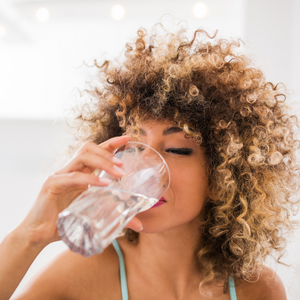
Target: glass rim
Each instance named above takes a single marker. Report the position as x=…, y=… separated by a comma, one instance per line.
x=163, y=160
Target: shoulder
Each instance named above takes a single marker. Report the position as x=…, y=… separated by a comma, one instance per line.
x=72, y=276
x=268, y=287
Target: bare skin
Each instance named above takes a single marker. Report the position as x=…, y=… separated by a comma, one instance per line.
x=19, y=249
x=161, y=265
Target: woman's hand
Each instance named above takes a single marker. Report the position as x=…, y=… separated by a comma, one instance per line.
x=61, y=188
x=19, y=248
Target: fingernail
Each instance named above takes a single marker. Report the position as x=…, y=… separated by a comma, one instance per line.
x=139, y=229
x=117, y=160
x=119, y=170
x=105, y=180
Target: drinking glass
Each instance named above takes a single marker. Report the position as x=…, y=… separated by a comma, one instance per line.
x=98, y=215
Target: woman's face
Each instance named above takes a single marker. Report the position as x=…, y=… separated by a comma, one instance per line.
x=189, y=184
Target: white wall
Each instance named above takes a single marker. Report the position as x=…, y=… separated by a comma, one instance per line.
x=30, y=150
x=39, y=71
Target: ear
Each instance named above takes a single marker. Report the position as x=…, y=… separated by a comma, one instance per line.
x=213, y=196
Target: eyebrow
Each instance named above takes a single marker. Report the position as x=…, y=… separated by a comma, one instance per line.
x=167, y=131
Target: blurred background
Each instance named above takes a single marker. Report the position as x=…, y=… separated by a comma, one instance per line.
x=45, y=46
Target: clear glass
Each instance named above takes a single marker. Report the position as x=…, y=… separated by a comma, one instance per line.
x=99, y=214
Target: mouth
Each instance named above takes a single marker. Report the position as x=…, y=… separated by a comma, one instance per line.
x=160, y=202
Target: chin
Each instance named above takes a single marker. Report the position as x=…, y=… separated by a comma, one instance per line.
x=152, y=229
x=152, y=224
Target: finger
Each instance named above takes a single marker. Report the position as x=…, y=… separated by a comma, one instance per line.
x=91, y=162
x=93, y=148
x=100, y=150
x=135, y=224
x=57, y=183
x=114, y=143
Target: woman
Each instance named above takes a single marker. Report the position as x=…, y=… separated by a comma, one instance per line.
x=230, y=145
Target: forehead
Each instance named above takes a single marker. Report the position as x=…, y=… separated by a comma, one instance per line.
x=164, y=127
x=163, y=130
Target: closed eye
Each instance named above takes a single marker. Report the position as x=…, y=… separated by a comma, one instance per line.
x=180, y=151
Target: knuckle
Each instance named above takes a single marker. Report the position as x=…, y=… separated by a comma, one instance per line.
x=80, y=156
x=74, y=175
x=108, y=144
x=109, y=156
x=50, y=178
x=49, y=181
x=87, y=144
x=106, y=154
x=108, y=164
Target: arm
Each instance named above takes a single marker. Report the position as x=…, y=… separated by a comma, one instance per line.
x=19, y=248
x=16, y=256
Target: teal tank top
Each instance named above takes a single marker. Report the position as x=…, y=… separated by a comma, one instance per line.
x=124, y=281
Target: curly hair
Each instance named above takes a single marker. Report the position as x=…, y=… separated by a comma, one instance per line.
x=211, y=91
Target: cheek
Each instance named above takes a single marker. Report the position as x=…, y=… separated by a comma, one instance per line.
x=190, y=185
x=186, y=195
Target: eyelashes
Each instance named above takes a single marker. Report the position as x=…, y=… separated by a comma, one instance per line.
x=180, y=151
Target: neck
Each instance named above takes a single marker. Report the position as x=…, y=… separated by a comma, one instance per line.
x=171, y=254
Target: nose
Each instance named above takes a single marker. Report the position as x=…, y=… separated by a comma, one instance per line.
x=153, y=143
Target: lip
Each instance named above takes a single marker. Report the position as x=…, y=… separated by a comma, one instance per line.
x=161, y=201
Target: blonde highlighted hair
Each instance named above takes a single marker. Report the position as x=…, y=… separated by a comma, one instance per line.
x=217, y=97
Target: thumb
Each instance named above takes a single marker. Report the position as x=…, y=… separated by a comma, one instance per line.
x=135, y=224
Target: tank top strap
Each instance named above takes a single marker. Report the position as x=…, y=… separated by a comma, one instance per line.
x=232, y=288
x=122, y=271
x=124, y=281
